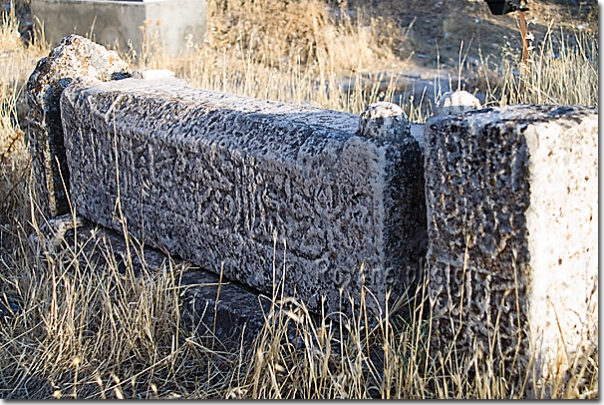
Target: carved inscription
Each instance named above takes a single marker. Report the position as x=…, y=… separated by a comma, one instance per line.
x=244, y=188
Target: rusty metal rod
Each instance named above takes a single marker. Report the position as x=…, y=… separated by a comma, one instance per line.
x=524, y=41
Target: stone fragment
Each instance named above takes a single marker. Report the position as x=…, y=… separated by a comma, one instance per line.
x=512, y=200
x=260, y=189
x=223, y=309
x=74, y=56
x=456, y=102
x=384, y=119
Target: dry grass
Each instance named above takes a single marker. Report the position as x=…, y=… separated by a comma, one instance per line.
x=16, y=64
x=303, y=54
x=562, y=70
x=76, y=329
x=94, y=331
x=88, y=331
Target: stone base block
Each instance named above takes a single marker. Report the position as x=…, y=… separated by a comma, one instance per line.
x=512, y=200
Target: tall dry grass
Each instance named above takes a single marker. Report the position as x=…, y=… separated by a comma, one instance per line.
x=71, y=328
x=16, y=64
x=562, y=69
x=305, y=53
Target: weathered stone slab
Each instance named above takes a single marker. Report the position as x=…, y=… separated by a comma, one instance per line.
x=512, y=199
x=73, y=57
x=238, y=183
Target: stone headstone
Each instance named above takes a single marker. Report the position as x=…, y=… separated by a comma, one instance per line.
x=512, y=200
x=258, y=189
x=74, y=56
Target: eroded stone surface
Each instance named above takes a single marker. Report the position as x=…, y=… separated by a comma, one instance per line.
x=232, y=182
x=73, y=57
x=512, y=199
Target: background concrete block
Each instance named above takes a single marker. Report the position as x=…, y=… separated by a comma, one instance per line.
x=240, y=183
x=73, y=57
x=512, y=200
x=175, y=24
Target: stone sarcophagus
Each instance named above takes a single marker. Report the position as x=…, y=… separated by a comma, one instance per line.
x=258, y=190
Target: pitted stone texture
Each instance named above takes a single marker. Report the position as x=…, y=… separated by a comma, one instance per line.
x=512, y=200
x=221, y=180
x=384, y=120
x=74, y=56
x=456, y=102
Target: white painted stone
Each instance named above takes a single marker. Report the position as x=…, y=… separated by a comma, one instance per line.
x=153, y=74
x=456, y=102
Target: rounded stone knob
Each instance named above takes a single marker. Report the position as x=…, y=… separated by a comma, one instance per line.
x=384, y=120
x=456, y=102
